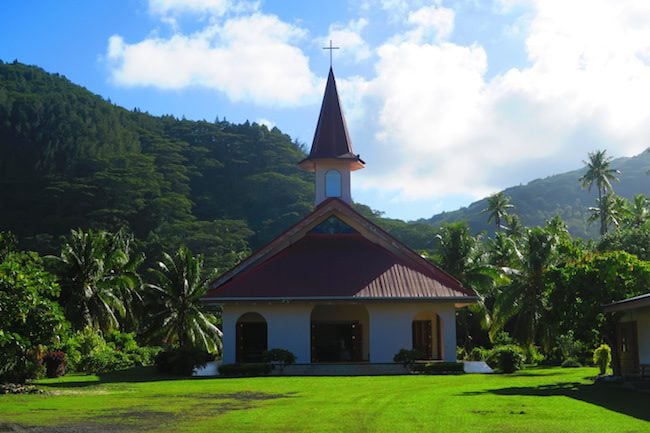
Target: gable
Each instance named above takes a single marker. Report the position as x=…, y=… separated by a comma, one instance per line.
x=336, y=253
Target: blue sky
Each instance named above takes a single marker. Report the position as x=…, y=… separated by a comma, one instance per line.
x=446, y=101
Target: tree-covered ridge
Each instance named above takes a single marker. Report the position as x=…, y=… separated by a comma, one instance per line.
x=70, y=159
x=561, y=194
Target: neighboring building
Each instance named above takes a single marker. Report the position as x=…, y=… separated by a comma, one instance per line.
x=335, y=287
x=632, y=333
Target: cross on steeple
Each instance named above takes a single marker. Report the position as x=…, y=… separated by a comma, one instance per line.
x=331, y=48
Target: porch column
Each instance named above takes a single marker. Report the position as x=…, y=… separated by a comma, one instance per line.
x=390, y=330
x=289, y=328
x=229, y=318
x=447, y=315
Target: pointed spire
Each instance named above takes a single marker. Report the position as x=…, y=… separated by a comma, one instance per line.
x=331, y=140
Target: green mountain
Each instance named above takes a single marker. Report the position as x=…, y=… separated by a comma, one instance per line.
x=561, y=194
x=69, y=158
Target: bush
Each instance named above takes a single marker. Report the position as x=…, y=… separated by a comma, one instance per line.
x=477, y=354
x=506, y=359
x=105, y=361
x=602, y=358
x=247, y=369
x=279, y=356
x=461, y=353
x=503, y=339
x=406, y=356
x=54, y=363
x=438, y=368
x=181, y=362
x=532, y=355
x=571, y=363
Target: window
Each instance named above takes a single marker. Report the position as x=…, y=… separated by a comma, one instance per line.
x=332, y=184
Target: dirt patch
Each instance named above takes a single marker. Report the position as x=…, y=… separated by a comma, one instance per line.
x=246, y=396
x=81, y=428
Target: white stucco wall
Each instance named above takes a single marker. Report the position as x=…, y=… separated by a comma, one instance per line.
x=642, y=319
x=389, y=327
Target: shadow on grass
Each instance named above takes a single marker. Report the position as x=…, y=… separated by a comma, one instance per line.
x=625, y=401
x=133, y=375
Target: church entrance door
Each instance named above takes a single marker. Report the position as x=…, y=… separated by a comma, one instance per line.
x=336, y=341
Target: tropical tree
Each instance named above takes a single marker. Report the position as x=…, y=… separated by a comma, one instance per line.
x=600, y=172
x=637, y=212
x=523, y=300
x=179, y=317
x=497, y=207
x=97, y=272
x=462, y=255
x=610, y=210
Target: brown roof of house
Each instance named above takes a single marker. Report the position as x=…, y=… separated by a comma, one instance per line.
x=331, y=139
x=368, y=264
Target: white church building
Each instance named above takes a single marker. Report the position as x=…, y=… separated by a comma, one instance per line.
x=335, y=287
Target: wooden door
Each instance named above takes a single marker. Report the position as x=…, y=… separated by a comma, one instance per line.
x=628, y=348
x=422, y=337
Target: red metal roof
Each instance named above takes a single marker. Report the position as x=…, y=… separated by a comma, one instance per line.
x=339, y=266
x=331, y=139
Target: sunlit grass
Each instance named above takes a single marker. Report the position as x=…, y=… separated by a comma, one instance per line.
x=535, y=400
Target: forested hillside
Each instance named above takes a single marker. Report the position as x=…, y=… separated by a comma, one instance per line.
x=70, y=159
x=542, y=199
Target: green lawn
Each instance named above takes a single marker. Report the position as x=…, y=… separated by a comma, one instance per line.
x=534, y=400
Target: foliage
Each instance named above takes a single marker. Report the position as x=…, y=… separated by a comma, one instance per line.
x=600, y=172
x=408, y=356
x=497, y=208
x=570, y=363
x=602, y=358
x=506, y=359
x=98, y=276
x=437, y=368
x=247, y=369
x=182, y=361
x=29, y=316
x=477, y=354
x=634, y=240
x=569, y=347
x=282, y=356
x=179, y=316
x=54, y=363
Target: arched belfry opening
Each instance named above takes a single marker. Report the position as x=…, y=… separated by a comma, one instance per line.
x=252, y=337
x=333, y=183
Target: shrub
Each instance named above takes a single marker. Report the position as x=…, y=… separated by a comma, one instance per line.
x=181, y=362
x=406, y=356
x=602, y=358
x=54, y=363
x=503, y=339
x=105, y=361
x=279, y=356
x=247, y=369
x=571, y=363
x=438, y=368
x=461, y=353
x=477, y=354
x=506, y=359
x=532, y=355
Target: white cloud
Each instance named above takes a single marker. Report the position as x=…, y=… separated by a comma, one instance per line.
x=266, y=122
x=431, y=23
x=249, y=58
x=167, y=7
x=349, y=38
x=443, y=128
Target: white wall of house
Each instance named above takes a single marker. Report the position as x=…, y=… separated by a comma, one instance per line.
x=642, y=318
x=388, y=330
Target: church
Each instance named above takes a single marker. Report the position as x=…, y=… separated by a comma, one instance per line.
x=335, y=287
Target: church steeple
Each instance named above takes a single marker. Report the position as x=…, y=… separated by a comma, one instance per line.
x=331, y=156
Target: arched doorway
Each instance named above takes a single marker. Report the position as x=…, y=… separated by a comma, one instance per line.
x=426, y=335
x=339, y=333
x=251, y=337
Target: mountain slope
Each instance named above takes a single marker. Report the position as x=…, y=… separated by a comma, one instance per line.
x=541, y=199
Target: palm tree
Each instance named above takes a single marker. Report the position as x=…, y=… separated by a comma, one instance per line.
x=498, y=205
x=179, y=316
x=638, y=211
x=600, y=173
x=609, y=211
x=524, y=298
x=98, y=278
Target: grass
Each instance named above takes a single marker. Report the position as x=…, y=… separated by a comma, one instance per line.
x=535, y=400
